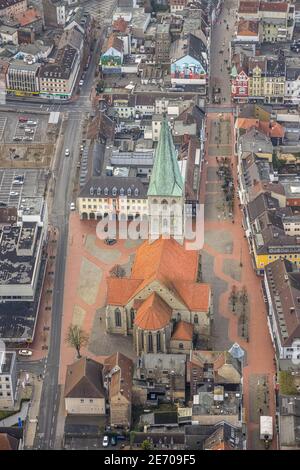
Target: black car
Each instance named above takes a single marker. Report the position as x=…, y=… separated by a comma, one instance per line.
x=110, y=241
x=113, y=441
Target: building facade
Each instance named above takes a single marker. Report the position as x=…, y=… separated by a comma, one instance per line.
x=8, y=380
x=22, y=78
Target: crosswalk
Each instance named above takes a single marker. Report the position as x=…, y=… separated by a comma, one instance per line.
x=100, y=10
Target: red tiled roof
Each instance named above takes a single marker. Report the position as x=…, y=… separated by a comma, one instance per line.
x=120, y=290
x=153, y=314
x=27, y=17
x=195, y=296
x=274, y=6
x=247, y=28
x=269, y=128
x=120, y=25
x=165, y=259
x=183, y=331
x=248, y=7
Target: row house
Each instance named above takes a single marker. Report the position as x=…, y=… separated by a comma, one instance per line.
x=282, y=286
x=267, y=78
x=12, y=7
x=276, y=19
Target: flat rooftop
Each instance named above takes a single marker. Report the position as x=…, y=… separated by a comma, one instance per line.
x=7, y=359
x=18, y=319
x=16, y=184
x=17, y=268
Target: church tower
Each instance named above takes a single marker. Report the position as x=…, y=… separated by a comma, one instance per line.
x=166, y=190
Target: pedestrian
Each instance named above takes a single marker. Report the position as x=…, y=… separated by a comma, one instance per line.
x=100, y=319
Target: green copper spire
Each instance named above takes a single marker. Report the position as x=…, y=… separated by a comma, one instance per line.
x=166, y=179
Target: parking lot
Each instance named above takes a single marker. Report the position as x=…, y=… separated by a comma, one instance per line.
x=31, y=128
x=26, y=140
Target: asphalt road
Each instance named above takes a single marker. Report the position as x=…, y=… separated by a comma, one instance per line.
x=64, y=176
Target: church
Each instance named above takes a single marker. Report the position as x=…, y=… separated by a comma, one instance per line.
x=162, y=304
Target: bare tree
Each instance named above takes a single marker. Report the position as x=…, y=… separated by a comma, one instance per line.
x=117, y=271
x=244, y=301
x=76, y=338
x=233, y=297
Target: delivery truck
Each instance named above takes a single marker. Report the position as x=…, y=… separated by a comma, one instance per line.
x=266, y=430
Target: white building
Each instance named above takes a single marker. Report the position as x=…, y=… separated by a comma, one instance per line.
x=8, y=380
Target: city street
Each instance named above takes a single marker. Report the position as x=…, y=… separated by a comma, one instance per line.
x=64, y=174
x=220, y=61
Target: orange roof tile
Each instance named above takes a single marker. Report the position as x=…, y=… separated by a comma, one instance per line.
x=246, y=123
x=119, y=290
x=183, y=331
x=272, y=128
x=247, y=28
x=120, y=25
x=195, y=296
x=166, y=260
x=153, y=314
x=269, y=128
x=114, y=42
x=27, y=17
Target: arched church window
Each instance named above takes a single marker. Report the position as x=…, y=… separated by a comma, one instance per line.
x=132, y=317
x=118, y=320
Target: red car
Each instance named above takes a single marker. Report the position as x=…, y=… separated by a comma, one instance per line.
x=23, y=119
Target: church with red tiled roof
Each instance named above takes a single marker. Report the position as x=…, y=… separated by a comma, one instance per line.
x=161, y=304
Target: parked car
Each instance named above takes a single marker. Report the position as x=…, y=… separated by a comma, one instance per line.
x=113, y=441
x=110, y=241
x=81, y=82
x=25, y=352
x=72, y=206
x=67, y=152
x=105, y=441
x=23, y=119
x=31, y=123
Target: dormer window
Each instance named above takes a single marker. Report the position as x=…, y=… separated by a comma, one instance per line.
x=114, y=191
x=136, y=192
x=92, y=191
x=122, y=192
x=98, y=191
x=105, y=191
x=129, y=192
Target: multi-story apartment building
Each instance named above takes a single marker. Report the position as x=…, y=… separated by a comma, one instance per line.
x=270, y=237
x=177, y=5
x=282, y=285
x=292, y=81
x=8, y=379
x=57, y=80
x=276, y=19
x=162, y=44
x=12, y=7
x=22, y=78
x=54, y=13
x=267, y=78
